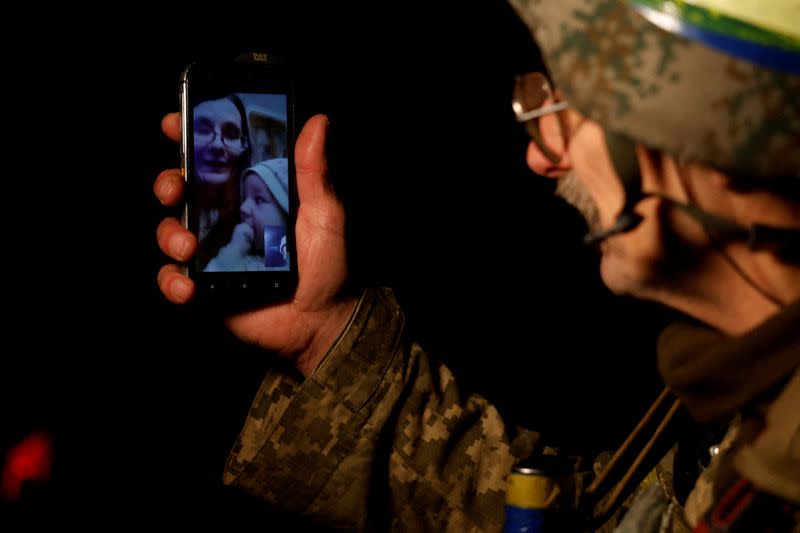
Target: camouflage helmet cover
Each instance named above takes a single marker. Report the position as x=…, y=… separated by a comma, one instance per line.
x=666, y=91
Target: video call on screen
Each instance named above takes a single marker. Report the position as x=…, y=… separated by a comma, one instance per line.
x=241, y=176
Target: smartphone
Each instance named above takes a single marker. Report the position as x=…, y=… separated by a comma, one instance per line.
x=237, y=153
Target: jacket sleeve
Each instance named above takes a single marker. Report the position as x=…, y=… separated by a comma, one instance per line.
x=379, y=438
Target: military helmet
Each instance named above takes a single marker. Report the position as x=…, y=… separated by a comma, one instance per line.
x=707, y=81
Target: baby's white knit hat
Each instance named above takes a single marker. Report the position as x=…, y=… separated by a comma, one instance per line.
x=275, y=175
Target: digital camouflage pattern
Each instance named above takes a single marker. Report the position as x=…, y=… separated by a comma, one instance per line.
x=667, y=92
x=380, y=438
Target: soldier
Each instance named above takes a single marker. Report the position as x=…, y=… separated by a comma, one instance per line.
x=692, y=192
x=684, y=156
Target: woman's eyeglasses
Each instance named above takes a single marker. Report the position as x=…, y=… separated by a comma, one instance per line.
x=230, y=135
x=534, y=99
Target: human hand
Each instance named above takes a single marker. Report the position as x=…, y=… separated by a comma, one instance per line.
x=302, y=329
x=242, y=239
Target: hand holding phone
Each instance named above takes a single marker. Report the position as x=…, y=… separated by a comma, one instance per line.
x=303, y=328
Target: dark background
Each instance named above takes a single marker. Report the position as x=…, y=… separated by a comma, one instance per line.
x=143, y=399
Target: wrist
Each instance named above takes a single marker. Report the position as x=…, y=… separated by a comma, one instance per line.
x=329, y=328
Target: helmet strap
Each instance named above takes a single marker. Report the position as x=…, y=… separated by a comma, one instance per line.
x=623, y=156
x=622, y=150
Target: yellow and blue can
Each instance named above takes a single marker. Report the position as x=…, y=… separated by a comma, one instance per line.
x=533, y=490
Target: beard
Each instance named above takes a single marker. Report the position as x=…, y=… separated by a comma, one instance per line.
x=572, y=190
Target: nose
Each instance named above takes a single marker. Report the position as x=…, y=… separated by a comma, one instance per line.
x=542, y=165
x=554, y=161
x=217, y=142
x=246, y=208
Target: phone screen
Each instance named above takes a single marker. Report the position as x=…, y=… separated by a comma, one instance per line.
x=240, y=178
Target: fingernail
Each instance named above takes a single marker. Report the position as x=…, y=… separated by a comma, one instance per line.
x=179, y=246
x=181, y=289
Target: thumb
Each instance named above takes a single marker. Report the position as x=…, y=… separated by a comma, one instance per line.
x=312, y=167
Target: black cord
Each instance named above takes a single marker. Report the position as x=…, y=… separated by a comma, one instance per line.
x=717, y=246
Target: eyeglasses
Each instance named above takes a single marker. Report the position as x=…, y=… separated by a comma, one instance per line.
x=230, y=134
x=534, y=99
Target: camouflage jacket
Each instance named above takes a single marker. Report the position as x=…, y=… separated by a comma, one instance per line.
x=380, y=438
